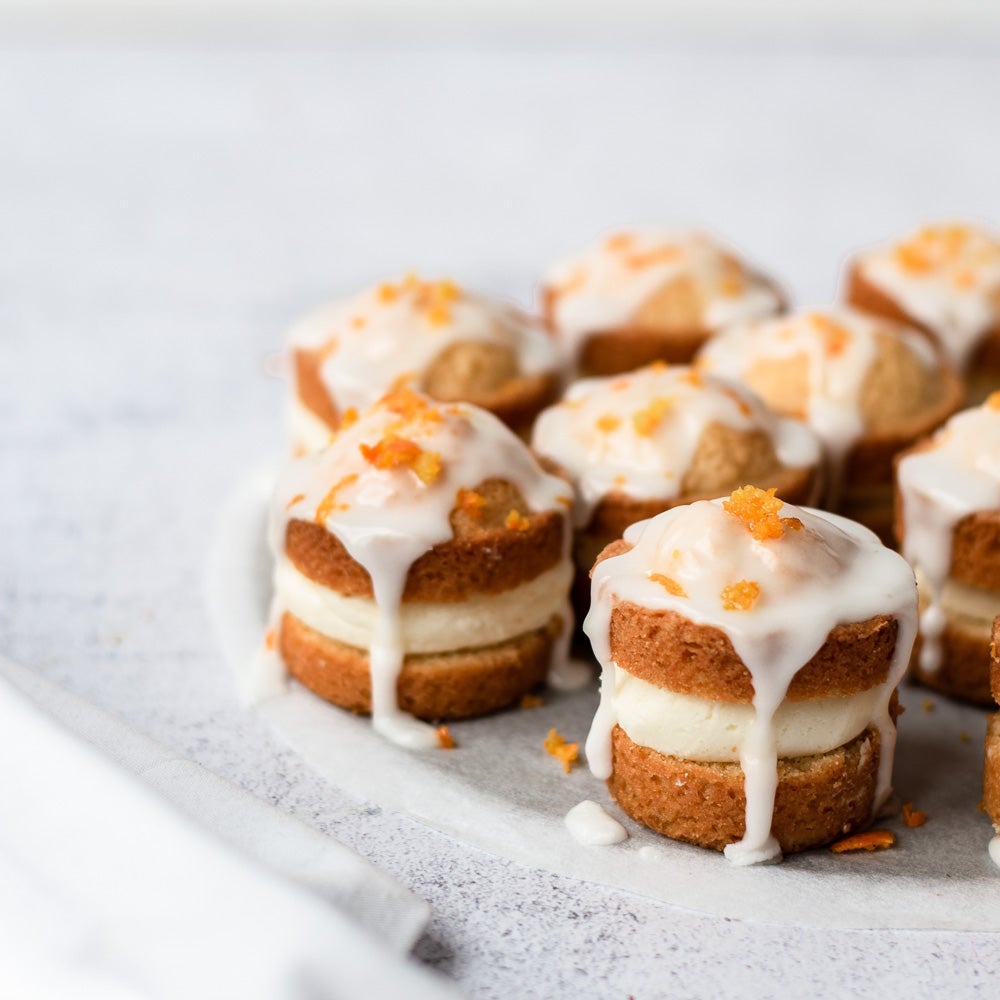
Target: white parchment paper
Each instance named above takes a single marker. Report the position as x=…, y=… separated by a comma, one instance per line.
x=499, y=791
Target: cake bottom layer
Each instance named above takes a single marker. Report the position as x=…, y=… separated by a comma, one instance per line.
x=991, y=771
x=819, y=798
x=435, y=686
x=964, y=670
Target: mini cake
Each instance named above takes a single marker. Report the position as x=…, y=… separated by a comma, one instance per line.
x=422, y=566
x=991, y=770
x=650, y=294
x=944, y=279
x=948, y=524
x=434, y=337
x=750, y=653
x=867, y=386
x=637, y=444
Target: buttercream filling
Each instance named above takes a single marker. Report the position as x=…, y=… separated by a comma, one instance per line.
x=971, y=609
x=426, y=627
x=693, y=728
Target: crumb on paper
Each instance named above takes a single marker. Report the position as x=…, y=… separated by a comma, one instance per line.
x=928, y=705
x=564, y=752
x=532, y=701
x=964, y=736
x=870, y=840
x=445, y=740
x=913, y=817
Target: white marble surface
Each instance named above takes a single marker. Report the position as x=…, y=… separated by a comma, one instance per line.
x=165, y=214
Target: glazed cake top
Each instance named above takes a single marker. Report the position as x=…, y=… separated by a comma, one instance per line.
x=641, y=434
x=607, y=285
x=947, y=277
x=401, y=334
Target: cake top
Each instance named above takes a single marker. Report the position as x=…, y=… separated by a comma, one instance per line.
x=844, y=372
x=655, y=277
x=434, y=336
x=946, y=276
x=655, y=433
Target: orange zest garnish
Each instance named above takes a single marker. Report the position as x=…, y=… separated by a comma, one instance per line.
x=835, y=337
x=564, y=752
x=731, y=285
x=913, y=817
x=531, y=701
x=912, y=258
x=647, y=258
x=516, y=521
x=438, y=315
x=740, y=596
x=693, y=378
x=648, y=418
x=387, y=293
x=391, y=452
x=270, y=639
x=329, y=502
x=758, y=509
x=471, y=502
x=295, y=499
x=359, y=323
x=564, y=500
x=348, y=418
x=445, y=740
x=619, y=241
x=669, y=584
x=607, y=422
x=870, y=840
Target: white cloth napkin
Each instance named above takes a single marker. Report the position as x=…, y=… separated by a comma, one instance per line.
x=106, y=890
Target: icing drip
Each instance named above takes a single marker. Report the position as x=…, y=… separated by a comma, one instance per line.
x=994, y=850
x=386, y=487
x=812, y=571
x=946, y=277
x=958, y=475
x=590, y=825
x=605, y=286
x=388, y=337
x=637, y=434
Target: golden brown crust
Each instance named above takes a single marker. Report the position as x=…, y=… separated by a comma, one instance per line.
x=964, y=671
x=991, y=770
x=672, y=652
x=995, y=660
x=818, y=799
x=439, y=686
x=485, y=556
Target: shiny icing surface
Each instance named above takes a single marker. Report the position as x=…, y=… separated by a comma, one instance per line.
x=604, y=286
x=946, y=276
x=776, y=579
x=958, y=475
x=637, y=434
x=589, y=824
x=385, y=487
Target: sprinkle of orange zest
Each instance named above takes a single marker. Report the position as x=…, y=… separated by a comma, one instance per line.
x=348, y=418
x=620, y=385
x=619, y=480
x=359, y=323
x=741, y=404
x=659, y=365
x=912, y=258
x=410, y=281
x=295, y=499
x=693, y=378
x=607, y=422
x=647, y=258
x=392, y=451
x=575, y=281
x=404, y=402
x=270, y=639
x=564, y=752
x=646, y=420
x=566, y=501
x=758, y=509
x=531, y=701
x=329, y=502
x=913, y=817
x=740, y=596
x=965, y=278
x=516, y=521
x=387, y=293
x=445, y=740
x=731, y=285
x=438, y=315
x=871, y=840
x=993, y=400
x=471, y=502
x=836, y=338
x=792, y=522
x=619, y=241
x=446, y=291
x=669, y=584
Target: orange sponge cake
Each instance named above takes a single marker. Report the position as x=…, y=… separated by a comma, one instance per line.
x=750, y=655
x=948, y=523
x=422, y=566
x=648, y=294
x=867, y=386
x=945, y=279
x=431, y=336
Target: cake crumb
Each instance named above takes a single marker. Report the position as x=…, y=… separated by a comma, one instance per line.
x=564, y=752
x=928, y=705
x=963, y=736
x=532, y=701
x=870, y=840
x=445, y=740
x=913, y=817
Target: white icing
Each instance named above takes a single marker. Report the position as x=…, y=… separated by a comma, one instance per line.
x=954, y=289
x=684, y=725
x=957, y=476
x=831, y=571
x=569, y=675
x=590, y=825
x=994, y=850
x=380, y=340
x=386, y=518
x=602, y=288
x=839, y=346
x=606, y=436
x=426, y=627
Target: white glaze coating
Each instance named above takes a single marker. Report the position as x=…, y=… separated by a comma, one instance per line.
x=604, y=286
x=830, y=571
x=387, y=517
x=946, y=276
x=388, y=336
x=589, y=824
x=637, y=434
x=839, y=346
x=994, y=851
x=957, y=476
